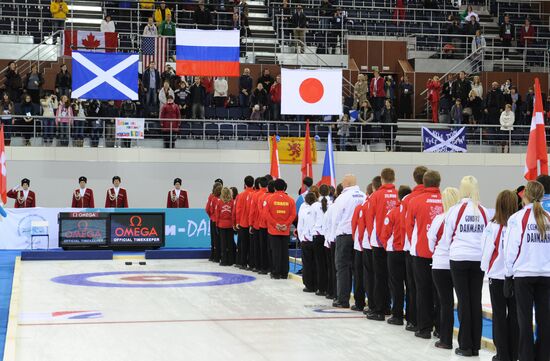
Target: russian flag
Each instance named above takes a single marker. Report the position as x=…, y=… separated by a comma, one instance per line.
x=207, y=52
x=329, y=175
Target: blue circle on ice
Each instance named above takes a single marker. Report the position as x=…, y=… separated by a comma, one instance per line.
x=84, y=279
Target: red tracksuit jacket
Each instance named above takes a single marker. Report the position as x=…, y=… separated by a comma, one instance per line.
x=392, y=235
x=243, y=201
x=380, y=203
x=281, y=210
x=225, y=214
x=422, y=211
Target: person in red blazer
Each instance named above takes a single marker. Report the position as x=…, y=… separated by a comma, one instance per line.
x=177, y=197
x=83, y=197
x=24, y=197
x=377, y=91
x=116, y=196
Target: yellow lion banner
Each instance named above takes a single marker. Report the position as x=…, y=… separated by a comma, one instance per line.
x=291, y=148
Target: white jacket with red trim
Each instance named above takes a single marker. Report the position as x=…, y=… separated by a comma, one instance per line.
x=492, y=259
x=328, y=226
x=464, y=226
x=306, y=222
x=440, y=257
x=526, y=253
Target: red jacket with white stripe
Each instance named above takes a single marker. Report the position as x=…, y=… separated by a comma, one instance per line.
x=419, y=189
x=225, y=214
x=380, y=203
x=391, y=235
x=422, y=211
x=356, y=230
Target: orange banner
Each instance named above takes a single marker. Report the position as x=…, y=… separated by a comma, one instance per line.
x=291, y=148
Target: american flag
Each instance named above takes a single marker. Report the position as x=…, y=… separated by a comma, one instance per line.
x=154, y=48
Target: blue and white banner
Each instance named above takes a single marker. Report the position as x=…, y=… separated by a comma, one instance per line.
x=444, y=141
x=105, y=76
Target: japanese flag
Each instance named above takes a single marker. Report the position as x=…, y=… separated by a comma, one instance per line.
x=311, y=92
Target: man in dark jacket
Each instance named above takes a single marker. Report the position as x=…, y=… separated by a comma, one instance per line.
x=202, y=16
x=151, y=83
x=494, y=105
x=13, y=83
x=245, y=88
x=63, y=82
x=267, y=80
x=109, y=110
x=507, y=33
x=259, y=97
x=299, y=23
x=197, y=96
x=461, y=88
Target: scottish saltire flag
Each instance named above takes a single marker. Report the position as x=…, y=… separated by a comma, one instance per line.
x=329, y=175
x=105, y=76
x=444, y=141
x=207, y=52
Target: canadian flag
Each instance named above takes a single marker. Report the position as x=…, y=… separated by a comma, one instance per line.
x=89, y=40
x=536, y=160
x=311, y=92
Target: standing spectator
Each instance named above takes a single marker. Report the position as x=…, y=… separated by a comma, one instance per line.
x=150, y=29
x=461, y=87
x=220, y=91
x=161, y=13
x=170, y=121
x=472, y=27
x=79, y=112
x=406, y=92
x=181, y=97
x=151, y=84
x=13, y=83
x=128, y=109
x=111, y=112
x=240, y=22
x=343, y=130
x=478, y=46
x=456, y=112
x=299, y=24
x=434, y=90
x=8, y=110
x=399, y=11
x=168, y=28
x=389, y=88
x=64, y=120
x=25, y=125
x=94, y=110
x=526, y=34
x=325, y=11
x=33, y=84
x=507, y=120
x=337, y=23
x=266, y=79
x=63, y=82
x=505, y=88
x=377, y=93
x=454, y=28
x=197, y=95
x=169, y=75
x=515, y=100
x=107, y=26
x=529, y=104
x=360, y=91
x=475, y=103
x=164, y=93
x=245, y=88
x=147, y=8
x=389, y=117
x=208, y=84
x=59, y=11
x=275, y=98
x=259, y=97
x=49, y=105
x=202, y=16
x=468, y=13
x=477, y=86
x=494, y=105
x=507, y=35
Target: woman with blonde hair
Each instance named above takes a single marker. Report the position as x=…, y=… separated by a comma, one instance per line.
x=434, y=94
x=441, y=270
x=505, y=323
x=527, y=259
x=464, y=226
x=225, y=216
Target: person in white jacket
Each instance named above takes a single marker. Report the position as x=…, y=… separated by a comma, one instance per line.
x=464, y=226
x=164, y=92
x=507, y=119
x=320, y=208
x=306, y=223
x=527, y=259
x=107, y=25
x=505, y=323
x=220, y=91
x=441, y=270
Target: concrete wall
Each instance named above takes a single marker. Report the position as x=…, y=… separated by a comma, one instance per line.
x=147, y=174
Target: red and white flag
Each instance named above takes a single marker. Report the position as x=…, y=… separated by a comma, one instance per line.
x=154, y=49
x=311, y=92
x=536, y=160
x=3, y=171
x=307, y=162
x=89, y=41
x=275, y=170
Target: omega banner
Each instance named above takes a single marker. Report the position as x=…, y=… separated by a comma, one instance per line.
x=183, y=228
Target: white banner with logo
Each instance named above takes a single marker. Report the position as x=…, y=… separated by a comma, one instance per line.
x=130, y=128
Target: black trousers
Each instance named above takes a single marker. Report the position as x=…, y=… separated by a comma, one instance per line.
x=358, y=280
x=243, y=246
x=425, y=310
x=264, y=251
x=252, y=253
x=505, y=322
x=279, y=250
x=218, y=245
x=308, y=266
x=226, y=245
x=344, y=267
x=468, y=282
x=331, y=268
x=397, y=273
x=410, y=311
x=257, y=249
x=212, y=241
x=368, y=278
x=321, y=269
x=444, y=285
x=529, y=291
x=381, y=289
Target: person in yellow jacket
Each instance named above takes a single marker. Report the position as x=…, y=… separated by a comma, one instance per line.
x=59, y=11
x=161, y=13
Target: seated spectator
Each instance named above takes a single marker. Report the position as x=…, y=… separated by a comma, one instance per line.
x=24, y=126
x=507, y=119
x=197, y=95
x=63, y=82
x=343, y=130
x=477, y=86
x=64, y=120
x=220, y=91
x=456, y=112
x=257, y=112
x=170, y=121
x=107, y=26
x=164, y=92
x=275, y=97
x=59, y=11
x=507, y=34
x=33, y=84
x=161, y=13
x=181, y=97
x=475, y=106
x=202, y=16
x=49, y=106
x=150, y=29
x=526, y=34
x=259, y=97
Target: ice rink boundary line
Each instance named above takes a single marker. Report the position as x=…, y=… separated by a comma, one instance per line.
x=13, y=314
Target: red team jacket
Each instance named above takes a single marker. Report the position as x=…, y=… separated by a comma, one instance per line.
x=253, y=208
x=177, y=202
x=241, y=207
x=29, y=202
x=86, y=201
x=357, y=223
x=262, y=206
x=225, y=214
x=121, y=201
x=281, y=209
x=392, y=235
x=419, y=189
x=380, y=203
x=422, y=210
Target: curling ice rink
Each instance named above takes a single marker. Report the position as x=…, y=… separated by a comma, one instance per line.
x=190, y=310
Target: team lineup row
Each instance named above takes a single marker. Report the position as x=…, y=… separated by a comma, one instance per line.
x=405, y=251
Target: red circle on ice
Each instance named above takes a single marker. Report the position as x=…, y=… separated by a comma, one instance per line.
x=311, y=90
x=154, y=278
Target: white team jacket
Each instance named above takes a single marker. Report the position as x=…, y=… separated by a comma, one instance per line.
x=306, y=222
x=492, y=259
x=436, y=233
